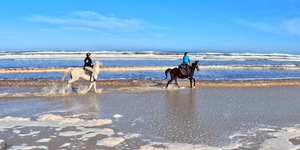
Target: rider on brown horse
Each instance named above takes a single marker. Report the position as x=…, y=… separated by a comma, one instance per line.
x=186, y=64
x=177, y=73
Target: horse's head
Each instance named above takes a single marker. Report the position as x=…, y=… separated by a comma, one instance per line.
x=98, y=64
x=196, y=65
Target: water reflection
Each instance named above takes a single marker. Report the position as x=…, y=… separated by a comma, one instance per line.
x=179, y=117
x=181, y=104
x=86, y=105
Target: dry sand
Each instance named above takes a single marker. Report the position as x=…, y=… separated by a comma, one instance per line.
x=144, y=115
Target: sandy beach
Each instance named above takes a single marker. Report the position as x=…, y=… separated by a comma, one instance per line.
x=144, y=115
x=150, y=75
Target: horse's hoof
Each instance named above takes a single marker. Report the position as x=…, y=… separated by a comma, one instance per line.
x=99, y=91
x=81, y=92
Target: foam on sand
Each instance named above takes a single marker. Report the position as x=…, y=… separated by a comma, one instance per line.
x=277, y=139
x=83, y=130
x=117, y=116
x=66, y=126
x=286, y=138
x=183, y=146
x=110, y=142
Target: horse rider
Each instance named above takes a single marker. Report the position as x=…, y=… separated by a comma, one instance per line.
x=186, y=63
x=88, y=65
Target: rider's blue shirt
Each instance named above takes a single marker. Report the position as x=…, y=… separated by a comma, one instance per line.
x=186, y=58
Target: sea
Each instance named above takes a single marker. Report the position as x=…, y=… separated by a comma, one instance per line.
x=217, y=66
x=151, y=117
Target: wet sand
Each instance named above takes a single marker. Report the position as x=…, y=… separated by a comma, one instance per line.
x=155, y=83
x=144, y=115
x=149, y=68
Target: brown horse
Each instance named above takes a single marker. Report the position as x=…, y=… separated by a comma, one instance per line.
x=176, y=73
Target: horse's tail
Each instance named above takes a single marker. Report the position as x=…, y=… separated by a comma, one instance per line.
x=166, y=72
x=66, y=72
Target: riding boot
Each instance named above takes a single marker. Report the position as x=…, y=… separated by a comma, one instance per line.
x=188, y=73
x=92, y=78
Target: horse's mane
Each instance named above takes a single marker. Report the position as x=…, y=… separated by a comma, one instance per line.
x=195, y=63
x=98, y=63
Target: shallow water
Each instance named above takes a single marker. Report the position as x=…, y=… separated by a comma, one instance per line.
x=212, y=75
x=153, y=117
x=286, y=66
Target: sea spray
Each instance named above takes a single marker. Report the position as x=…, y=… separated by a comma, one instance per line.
x=82, y=90
x=55, y=90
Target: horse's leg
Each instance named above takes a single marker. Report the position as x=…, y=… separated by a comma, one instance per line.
x=95, y=87
x=91, y=84
x=73, y=79
x=194, y=81
x=69, y=85
x=169, y=82
x=177, y=82
x=70, y=82
x=191, y=82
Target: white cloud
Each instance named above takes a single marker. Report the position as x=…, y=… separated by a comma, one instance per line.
x=93, y=21
x=292, y=26
x=283, y=26
x=258, y=25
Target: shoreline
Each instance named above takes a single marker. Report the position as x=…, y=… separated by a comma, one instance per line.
x=149, y=68
x=155, y=83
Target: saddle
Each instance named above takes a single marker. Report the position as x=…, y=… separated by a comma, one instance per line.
x=87, y=72
x=183, y=68
x=182, y=71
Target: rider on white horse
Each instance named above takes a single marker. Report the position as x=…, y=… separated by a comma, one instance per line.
x=88, y=65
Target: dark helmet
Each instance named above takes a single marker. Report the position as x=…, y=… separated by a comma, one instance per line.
x=88, y=54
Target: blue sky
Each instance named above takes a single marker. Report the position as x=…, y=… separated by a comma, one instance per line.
x=258, y=26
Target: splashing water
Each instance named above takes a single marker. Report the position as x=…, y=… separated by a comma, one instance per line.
x=55, y=91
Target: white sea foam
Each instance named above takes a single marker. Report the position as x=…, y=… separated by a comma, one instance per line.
x=110, y=141
x=48, y=91
x=26, y=147
x=84, y=130
x=51, y=121
x=44, y=140
x=144, y=55
x=65, y=145
x=182, y=146
x=282, y=139
x=117, y=116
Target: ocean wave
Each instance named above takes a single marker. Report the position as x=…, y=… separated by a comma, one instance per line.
x=144, y=55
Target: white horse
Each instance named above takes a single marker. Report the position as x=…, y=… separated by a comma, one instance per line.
x=76, y=73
